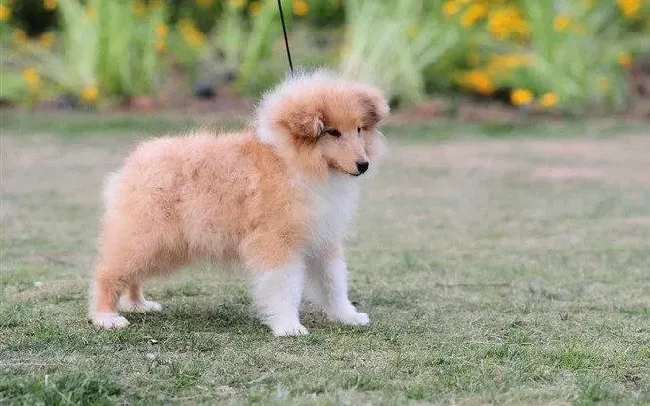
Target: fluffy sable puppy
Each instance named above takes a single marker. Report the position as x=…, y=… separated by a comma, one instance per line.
x=276, y=198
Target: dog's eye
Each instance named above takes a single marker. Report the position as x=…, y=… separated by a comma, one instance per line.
x=359, y=130
x=333, y=132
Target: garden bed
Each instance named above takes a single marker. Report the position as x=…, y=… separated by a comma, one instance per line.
x=557, y=57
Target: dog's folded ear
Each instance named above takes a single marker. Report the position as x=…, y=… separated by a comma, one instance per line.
x=302, y=123
x=374, y=104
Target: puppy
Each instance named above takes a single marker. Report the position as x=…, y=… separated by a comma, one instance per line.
x=277, y=198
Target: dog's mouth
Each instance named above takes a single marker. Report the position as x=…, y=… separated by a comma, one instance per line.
x=348, y=173
x=333, y=165
x=352, y=174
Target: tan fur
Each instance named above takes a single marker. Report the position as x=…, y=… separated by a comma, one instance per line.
x=231, y=197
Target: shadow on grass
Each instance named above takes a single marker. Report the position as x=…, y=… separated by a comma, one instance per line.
x=226, y=317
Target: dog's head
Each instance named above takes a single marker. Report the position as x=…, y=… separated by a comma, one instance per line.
x=328, y=124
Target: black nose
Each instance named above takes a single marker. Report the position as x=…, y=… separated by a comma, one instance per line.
x=362, y=166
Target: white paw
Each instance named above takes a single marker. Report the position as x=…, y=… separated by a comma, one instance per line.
x=144, y=306
x=109, y=321
x=290, y=329
x=352, y=318
x=356, y=319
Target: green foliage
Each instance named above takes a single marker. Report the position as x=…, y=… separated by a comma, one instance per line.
x=560, y=54
x=580, y=63
x=13, y=87
x=105, y=48
x=391, y=45
x=325, y=13
x=129, y=63
x=74, y=66
x=187, y=46
x=244, y=43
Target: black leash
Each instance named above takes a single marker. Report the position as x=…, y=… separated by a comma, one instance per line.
x=286, y=40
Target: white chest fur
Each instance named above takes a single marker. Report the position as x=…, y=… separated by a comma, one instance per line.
x=335, y=203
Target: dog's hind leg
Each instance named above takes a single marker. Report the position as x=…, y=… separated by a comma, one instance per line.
x=133, y=300
x=105, y=291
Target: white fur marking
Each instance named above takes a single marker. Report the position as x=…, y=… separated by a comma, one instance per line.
x=277, y=294
x=140, y=306
x=109, y=321
x=110, y=187
x=266, y=136
x=327, y=286
x=335, y=203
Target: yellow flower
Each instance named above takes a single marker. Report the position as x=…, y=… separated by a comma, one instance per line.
x=561, y=23
x=49, y=4
x=624, y=59
x=90, y=13
x=519, y=97
x=204, y=3
x=19, y=36
x=300, y=7
x=89, y=94
x=500, y=63
x=161, y=46
x=549, y=99
x=162, y=30
x=32, y=78
x=5, y=12
x=483, y=85
x=193, y=37
x=507, y=21
x=139, y=8
x=450, y=8
x=46, y=39
x=412, y=31
x=473, y=14
x=255, y=8
x=477, y=80
x=236, y=3
x=629, y=7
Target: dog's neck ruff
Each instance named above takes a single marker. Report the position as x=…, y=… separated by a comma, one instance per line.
x=266, y=136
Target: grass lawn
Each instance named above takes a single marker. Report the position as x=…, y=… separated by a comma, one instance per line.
x=494, y=269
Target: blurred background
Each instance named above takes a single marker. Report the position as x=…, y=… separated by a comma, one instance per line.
x=433, y=57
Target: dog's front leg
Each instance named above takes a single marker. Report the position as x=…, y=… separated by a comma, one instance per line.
x=277, y=294
x=327, y=286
